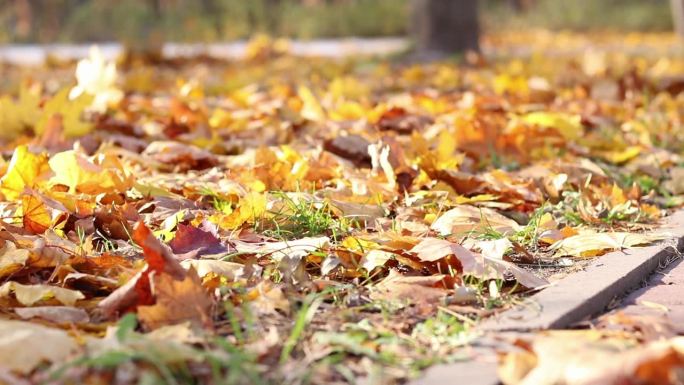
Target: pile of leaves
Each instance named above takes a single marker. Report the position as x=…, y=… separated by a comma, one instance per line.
x=287, y=220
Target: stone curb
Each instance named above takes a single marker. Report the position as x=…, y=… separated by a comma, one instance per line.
x=572, y=299
x=587, y=293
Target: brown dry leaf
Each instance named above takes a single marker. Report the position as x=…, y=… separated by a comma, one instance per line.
x=416, y=289
x=524, y=277
x=466, y=219
x=184, y=156
x=267, y=299
x=177, y=301
x=137, y=291
x=580, y=358
x=59, y=314
x=350, y=147
x=25, y=345
x=434, y=249
x=12, y=259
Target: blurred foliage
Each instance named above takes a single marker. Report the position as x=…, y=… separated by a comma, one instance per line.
x=210, y=20
x=582, y=15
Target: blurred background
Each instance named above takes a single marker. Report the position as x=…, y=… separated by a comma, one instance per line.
x=59, y=21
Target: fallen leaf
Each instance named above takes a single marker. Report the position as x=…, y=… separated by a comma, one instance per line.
x=25, y=345
x=96, y=175
x=375, y=258
x=578, y=358
x=191, y=242
x=71, y=112
x=59, y=314
x=434, y=249
x=97, y=77
x=350, y=147
x=138, y=290
x=295, y=249
x=177, y=301
x=27, y=295
x=230, y=270
x=41, y=213
x=591, y=244
x=181, y=155
x=570, y=126
x=465, y=219
x=423, y=289
x=19, y=117
x=12, y=259
x=23, y=171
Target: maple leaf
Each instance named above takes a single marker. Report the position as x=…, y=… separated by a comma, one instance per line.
x=20, y=116
x=191, y=242
x=569, y=126
x=139, y=290
x=71, y=112
x=41, y=213
x=177, y=301
x=251, y=207
x=97, y=78
x=96, y=175
x=24, y=170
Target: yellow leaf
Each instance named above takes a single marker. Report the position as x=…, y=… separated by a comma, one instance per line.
x=311, y=109
x=506, y=83
x=36, y=216
x=15, y=118
x=251, y=207
x=358, y=244
x=592, y=244
x=27, y=295
x=101, y=174
x=620, y=156
x=71, y=112
x=23, y=171
x=617, y=196
x=568, y=125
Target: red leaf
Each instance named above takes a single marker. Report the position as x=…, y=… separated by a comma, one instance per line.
x=191, y=242
x=157, y=255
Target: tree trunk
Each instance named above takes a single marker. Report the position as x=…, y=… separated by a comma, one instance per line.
x=445, y=26
x=678, y=16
